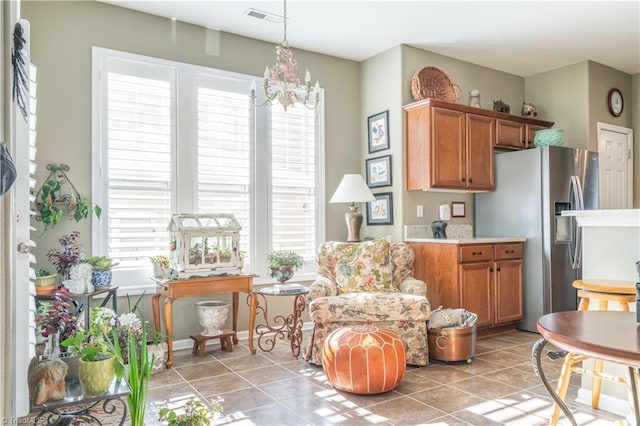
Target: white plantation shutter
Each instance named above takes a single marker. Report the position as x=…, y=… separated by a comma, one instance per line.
x=224, y=172
x=140, y=139
x=293, y=180
x=178, y=138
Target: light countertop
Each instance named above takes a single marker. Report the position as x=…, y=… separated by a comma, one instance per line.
x=612, y=217
x=472, y=240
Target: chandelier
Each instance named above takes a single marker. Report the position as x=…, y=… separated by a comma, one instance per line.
x=281, y=82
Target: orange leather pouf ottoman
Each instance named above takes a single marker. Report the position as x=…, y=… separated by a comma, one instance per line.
x=364, y=359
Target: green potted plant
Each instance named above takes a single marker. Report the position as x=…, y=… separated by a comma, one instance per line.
x=45, y=282
x=99, y=360
x=58, y=198
x=283, y=264
x=195, y=413
x=101, y=275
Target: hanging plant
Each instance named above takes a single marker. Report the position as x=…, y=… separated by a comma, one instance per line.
x=58, y=197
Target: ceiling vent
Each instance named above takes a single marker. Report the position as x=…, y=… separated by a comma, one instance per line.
x=265, y=16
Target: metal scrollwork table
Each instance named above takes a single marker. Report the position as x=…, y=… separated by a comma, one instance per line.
x=289, y=326
x=84, y=409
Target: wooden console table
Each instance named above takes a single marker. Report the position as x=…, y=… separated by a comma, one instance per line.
x=607, y=335
x=202, y=286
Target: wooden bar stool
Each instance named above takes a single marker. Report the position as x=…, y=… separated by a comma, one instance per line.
x=604, y=292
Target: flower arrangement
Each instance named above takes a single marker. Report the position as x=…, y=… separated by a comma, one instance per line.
x=161, y=260
x=98, y=342
x=69, y=256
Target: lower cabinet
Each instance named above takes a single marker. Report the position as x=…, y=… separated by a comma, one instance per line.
x=485, y=279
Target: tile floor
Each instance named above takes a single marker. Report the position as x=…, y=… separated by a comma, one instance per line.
x=498, y=388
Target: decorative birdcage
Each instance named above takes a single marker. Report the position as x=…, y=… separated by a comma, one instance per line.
x=202, y=244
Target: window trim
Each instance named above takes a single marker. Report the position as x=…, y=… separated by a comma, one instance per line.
x=180, y=200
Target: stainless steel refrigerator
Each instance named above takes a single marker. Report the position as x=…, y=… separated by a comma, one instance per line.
x=533, y=187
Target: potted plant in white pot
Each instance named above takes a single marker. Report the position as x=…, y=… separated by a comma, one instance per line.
x=283, y=264
x=161, y=266
x=101, y=275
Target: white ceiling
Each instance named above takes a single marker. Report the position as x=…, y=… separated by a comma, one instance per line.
x=518, y=37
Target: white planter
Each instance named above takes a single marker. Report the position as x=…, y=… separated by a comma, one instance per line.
x=212, y=315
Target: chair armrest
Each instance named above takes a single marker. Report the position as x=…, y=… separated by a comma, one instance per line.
x=322, y=286
x=415, y=286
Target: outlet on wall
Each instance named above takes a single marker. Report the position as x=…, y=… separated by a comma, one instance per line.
x=419, y=211
x=445, y=212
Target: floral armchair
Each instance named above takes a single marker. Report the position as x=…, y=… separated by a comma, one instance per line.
x=368, y=283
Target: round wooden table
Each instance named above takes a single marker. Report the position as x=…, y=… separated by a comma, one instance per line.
x=607, y=335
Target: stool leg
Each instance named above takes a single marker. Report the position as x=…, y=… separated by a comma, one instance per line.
x=195, y=347
x=596, y=384
x=203, y=347
x=584, y=304
x=563, y=385
x=624, y=306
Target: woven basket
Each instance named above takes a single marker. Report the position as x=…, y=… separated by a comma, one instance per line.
x=432, y=82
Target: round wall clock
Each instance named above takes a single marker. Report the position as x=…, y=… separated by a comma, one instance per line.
x=615, y=102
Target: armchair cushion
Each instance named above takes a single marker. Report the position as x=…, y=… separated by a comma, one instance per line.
x=370, y=307
x=363, y=267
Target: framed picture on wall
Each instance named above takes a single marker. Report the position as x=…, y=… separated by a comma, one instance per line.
x=458, y=209
x=378, y=131
x=378, y=171
x=380, y=211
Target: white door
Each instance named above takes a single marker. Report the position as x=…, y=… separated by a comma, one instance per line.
x=16, y=245
x=615, y=154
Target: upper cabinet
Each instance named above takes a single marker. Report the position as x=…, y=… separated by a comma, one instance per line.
x=450, y=146
x=517, y=134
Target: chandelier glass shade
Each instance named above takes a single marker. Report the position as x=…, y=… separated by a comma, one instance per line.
x=281, y=83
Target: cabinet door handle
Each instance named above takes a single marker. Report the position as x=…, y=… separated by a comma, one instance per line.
x=509, y=251
x=524, y=142
x=498, y=269
x=479, y=253
x=462, y=179
x=470, y=180
x=490, y=269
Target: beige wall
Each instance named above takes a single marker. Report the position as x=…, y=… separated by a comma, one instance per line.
x=561, y=96
x=575, y=98
x=62, y=36
x=380, y=90
x=601, y=80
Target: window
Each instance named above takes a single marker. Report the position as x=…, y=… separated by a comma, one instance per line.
x=177, y=138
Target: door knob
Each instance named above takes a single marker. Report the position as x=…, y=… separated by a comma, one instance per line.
x=24, y=248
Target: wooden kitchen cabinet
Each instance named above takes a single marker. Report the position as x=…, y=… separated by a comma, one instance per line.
x=450, y=146
x=517, y=134
x=485, y=279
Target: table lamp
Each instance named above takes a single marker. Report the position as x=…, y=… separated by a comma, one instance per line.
x=352, y=189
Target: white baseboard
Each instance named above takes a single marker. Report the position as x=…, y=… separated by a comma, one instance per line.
x=242, y=335
x=608, y=403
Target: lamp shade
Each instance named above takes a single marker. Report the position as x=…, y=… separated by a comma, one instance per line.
x=352, y=189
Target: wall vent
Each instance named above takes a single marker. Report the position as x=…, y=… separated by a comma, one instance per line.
x=265, y=16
